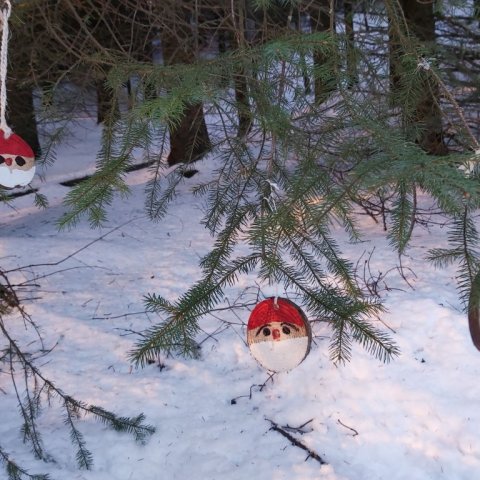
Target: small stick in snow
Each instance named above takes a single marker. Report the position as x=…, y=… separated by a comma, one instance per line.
x=355, y=433
x=299, y=429
x=114, y=317
x=260, y=387
x=129, y=331
x=296, y=443
x=76, y=252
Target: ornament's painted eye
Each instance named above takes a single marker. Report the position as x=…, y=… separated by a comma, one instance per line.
x=266, y=332
x=2, y=160
x=286, y=330
x=20, y=161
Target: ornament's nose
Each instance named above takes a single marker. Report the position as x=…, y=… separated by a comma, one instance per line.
x=8, y=161
x=276, y=334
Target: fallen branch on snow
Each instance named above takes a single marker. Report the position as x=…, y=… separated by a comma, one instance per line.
x=296, y=443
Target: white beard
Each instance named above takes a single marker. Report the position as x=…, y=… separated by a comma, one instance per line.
x=280, y=356
x=15, y=177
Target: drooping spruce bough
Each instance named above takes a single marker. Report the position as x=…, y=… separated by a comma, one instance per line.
x=304, y=166
x=35, y=391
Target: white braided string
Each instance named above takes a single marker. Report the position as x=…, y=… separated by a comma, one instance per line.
x=4, y=15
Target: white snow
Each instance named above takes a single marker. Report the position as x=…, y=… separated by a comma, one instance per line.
x=416, y=418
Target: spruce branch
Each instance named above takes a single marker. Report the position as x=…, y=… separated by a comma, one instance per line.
x=177, y=332
x=131, y=425
x=463, y=237
x=403, y=214
x=38, y=390
x=92, y=196
x=84, y=457
x=158, y=198
x=302, y=167
x=15, y=472
x=344, y=314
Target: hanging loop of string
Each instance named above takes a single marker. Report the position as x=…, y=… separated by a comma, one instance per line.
x=5, y=12
x=275, y=300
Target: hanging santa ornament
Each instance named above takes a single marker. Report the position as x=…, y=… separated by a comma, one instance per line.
x=16, y=157
x=278, y=334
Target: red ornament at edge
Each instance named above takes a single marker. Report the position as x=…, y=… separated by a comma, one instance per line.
x=17, y=161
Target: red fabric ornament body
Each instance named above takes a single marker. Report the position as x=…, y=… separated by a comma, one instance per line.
x=16, y=161
x=278, y=334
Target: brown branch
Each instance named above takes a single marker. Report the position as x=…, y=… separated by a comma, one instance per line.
x=296, y=443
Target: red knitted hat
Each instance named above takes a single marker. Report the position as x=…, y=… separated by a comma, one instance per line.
x=282, y=310
x=14, y=145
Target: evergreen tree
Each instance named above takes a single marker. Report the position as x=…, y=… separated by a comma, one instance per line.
x=418, y=28
x=322, y=20
x=291, y=166
x=189, y=138
x=304, y=164
x=20, y=87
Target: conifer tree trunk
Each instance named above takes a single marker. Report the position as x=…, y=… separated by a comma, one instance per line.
x=189, y=140
x=21, y=114
x=20, y=107
x=349, y=30
x=421, y=19
x=319, y=11
x=305, y=74
x=243, y=104
x=240, y=79
x=394, y=55
x=427, y=115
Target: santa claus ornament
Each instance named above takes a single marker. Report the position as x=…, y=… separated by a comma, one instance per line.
x=16, y=157
x=278, y=334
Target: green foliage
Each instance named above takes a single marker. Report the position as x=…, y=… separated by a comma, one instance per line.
x=403, y=216
x=463, y=237
x=283, y=211
x=93, y=195
x=278, y=196
x=15, y=472
x=38, y=392
x=41, y=200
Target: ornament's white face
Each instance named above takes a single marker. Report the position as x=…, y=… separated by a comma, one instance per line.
x=278, y=335
x=280, y=356
x=15, y=170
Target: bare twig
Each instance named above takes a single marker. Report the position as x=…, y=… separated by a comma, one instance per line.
x=76, y=252
x=355, y=433
x=260, y=387
x=296, y=443
x=299, y=429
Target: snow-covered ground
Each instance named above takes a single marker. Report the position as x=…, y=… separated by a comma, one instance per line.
x=417, y=418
